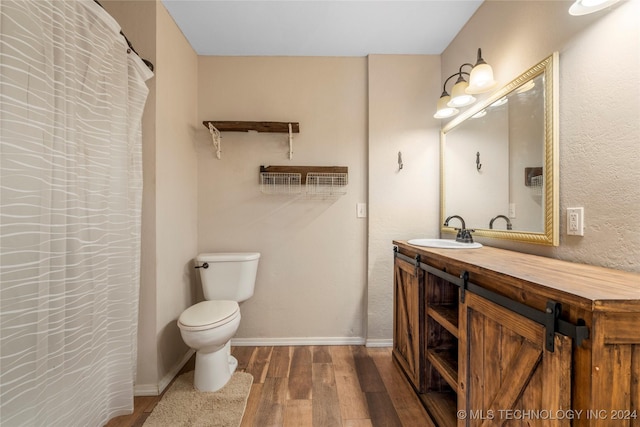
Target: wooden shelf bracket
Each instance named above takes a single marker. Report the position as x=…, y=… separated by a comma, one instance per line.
x=216, y=139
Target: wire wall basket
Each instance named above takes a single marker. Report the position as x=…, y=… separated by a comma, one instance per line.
x=322, y=185
x=280, y=183
x=316, y=182
x=536, y=185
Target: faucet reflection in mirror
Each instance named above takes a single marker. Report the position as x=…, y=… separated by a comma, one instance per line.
x=480, y=81
x=509, y=225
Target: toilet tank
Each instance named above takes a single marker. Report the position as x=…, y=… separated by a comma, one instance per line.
x=228, y=276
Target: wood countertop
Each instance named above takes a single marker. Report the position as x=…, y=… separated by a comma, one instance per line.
x=592, y=287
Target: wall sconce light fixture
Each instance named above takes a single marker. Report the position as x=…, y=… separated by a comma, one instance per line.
x=480, y=81
x=584, y=7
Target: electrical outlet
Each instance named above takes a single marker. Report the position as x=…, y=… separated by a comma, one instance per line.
x=575, y=221
x=512, y=210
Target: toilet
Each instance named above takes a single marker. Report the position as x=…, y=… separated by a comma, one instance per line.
x=208, y=326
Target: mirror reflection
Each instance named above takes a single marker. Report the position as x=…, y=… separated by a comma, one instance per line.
x=498, y=168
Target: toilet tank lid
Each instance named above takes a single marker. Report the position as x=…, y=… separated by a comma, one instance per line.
x=228, y=256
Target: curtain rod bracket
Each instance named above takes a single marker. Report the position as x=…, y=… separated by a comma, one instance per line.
x=146, y=62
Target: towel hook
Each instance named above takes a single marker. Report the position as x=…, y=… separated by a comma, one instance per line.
x=478, y=164
x=400, y=164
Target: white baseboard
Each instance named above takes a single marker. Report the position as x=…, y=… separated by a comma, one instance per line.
x=157, y=389
x=293, y=341
x=379, y=343
x=146, y=390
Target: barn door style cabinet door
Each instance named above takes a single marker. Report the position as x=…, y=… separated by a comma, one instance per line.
x=408, y=324
x=489, y=337
x=507, y=373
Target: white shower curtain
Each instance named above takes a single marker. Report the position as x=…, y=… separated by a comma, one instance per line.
x=71, y=101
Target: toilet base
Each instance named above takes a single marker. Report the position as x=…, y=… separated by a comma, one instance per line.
x=213, y=370
x=233, y=364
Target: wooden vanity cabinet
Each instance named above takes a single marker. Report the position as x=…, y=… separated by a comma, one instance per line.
x=490, y=359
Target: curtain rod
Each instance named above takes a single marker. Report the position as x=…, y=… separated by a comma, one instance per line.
x=147, y=62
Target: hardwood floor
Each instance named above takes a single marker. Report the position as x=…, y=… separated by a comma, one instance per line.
x=320, y=386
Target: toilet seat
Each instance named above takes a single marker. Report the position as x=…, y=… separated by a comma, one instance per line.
x=208, y=315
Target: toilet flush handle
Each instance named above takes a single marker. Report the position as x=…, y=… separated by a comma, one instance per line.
x=205, y=265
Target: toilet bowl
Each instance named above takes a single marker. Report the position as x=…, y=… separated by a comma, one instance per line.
x=227, y=278
x=207, y=327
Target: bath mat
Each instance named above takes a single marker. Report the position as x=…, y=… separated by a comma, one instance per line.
x=184, y=406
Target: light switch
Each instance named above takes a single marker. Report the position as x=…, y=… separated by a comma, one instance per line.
x=361, y=210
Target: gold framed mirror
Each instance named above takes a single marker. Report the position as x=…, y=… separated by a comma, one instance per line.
x=499, y=161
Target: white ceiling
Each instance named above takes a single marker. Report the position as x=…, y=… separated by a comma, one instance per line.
x=320, y=27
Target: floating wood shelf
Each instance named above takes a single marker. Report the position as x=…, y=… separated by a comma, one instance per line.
x=271, y=127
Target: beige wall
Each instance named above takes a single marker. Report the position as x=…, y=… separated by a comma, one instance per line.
x=169, y=211
x=176, y=188
x=311, y=284
x=599, y=113
x=403, y=204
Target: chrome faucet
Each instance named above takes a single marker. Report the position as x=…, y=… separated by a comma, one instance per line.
x=509, y=225
x=463, y=235
x=446, y=221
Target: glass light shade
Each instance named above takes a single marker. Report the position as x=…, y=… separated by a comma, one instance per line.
x=526, y=87
x=499, y=102
x=584, y=7
x=443, y=110
x=459, y=96
x=481, y=79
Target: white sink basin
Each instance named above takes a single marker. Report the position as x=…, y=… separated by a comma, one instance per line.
x=443, y=244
